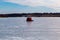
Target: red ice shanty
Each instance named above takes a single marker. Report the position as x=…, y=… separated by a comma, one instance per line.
x=29, y=18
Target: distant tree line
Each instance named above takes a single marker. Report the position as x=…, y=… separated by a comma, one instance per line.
x=32, y=14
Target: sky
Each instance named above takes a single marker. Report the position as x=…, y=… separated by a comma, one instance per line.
x=29, y=6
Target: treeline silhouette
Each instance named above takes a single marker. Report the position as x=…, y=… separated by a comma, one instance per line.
x=32, y=14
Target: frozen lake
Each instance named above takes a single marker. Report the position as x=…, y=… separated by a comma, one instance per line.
x=42, y=28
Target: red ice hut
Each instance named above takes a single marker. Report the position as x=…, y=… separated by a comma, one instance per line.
x=29, y=18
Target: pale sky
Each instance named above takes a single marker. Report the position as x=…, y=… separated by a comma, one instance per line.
x=23, y=6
